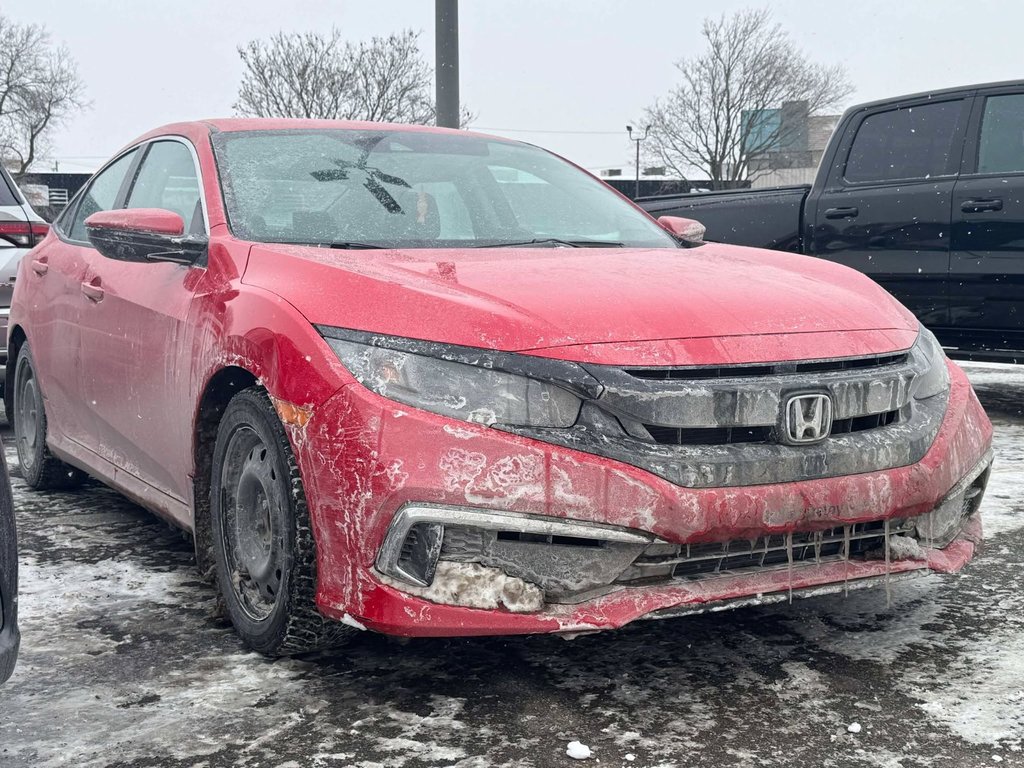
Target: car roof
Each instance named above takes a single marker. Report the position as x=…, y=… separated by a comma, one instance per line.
x=236, y=124
x=962, y=89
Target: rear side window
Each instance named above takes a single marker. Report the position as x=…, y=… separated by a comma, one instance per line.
x=1001, y=147
x=101, y=194
x=6, y=193
x=907, y=143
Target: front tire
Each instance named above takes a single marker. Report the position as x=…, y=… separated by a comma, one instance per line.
x=263, y=544
x=41, y=469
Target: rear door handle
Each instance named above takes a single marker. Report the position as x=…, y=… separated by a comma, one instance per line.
x=979, y=206
x=842, y=213
x=39, y=266
x=92, y=290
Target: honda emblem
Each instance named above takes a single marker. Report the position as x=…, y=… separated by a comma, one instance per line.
x=808, y=418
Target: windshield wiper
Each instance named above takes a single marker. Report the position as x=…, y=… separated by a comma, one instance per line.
x=555, y=242
x=353, y=246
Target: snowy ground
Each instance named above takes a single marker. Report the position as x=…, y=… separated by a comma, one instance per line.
x=124, y=664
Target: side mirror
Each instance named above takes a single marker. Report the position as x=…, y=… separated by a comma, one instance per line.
x=144, y=235
x=690, y=230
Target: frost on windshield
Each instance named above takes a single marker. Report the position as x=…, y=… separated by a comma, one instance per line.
x=416, y=189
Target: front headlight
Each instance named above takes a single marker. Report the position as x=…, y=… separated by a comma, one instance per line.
x=935, y=379
x=468, y=392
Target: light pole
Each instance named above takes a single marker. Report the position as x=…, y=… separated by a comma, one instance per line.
x=446, y=60
x=629, y=130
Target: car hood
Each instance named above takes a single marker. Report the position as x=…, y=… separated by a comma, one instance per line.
x=585, y=299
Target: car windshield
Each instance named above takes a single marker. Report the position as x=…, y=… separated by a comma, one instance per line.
x=413, y=189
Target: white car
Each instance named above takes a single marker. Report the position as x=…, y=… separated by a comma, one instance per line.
x=20, y=229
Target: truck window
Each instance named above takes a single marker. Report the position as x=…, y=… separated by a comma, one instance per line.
x=1001, y=147
x=906, y=143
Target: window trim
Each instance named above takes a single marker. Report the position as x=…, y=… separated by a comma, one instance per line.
x=127, y=184
x=972, y=148
x=957, y=140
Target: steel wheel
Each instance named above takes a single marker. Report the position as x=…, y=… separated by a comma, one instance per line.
x=263, y=542
x=254, y=498
x=27, y=408
x=41, y=469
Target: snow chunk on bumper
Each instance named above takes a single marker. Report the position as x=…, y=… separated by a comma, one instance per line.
x=472, y=585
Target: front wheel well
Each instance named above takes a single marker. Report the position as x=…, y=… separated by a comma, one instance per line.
x=222, y=386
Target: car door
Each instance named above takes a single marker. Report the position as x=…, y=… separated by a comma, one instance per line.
x=134, y=368
x=885, y=208
x=55, y=272
x=987, y=264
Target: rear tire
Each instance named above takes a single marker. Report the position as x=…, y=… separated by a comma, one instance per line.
x=41, y=469
x=263, y=543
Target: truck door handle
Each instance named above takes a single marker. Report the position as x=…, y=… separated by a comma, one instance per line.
x=92, y=290
x=979, y=206
x=842, y=213
x=39, y=266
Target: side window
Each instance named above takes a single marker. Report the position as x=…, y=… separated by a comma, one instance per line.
x=1001, y=147
x=101, y=194
x=7, y=196
x=167, y=179
x=907, y=143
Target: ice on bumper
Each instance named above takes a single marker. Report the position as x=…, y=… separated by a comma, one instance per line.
x=480, y=558
x=476, y=586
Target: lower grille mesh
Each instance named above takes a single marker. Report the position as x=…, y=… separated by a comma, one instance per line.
x=857, y=541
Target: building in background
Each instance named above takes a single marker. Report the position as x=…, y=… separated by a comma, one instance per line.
x=786, y=144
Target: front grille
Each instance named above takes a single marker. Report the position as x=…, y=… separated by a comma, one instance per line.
x=709, y=436
x=864, y=423
x=732, y=435
x=773, y=369
x=694, y=561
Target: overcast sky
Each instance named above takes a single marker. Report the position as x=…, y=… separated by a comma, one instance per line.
x=567, y=75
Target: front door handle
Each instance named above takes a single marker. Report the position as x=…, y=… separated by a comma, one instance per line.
x=842, y=213
x=39, y=266
x=980, y=206
x=92, y=290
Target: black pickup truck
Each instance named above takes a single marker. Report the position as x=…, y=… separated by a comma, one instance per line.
x=923, y=193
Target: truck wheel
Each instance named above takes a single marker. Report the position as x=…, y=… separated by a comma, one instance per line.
x=263, y=544
x=41, y=469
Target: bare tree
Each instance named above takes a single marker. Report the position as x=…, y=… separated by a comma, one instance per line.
x=39, y=89
x=312, y=75
x=714, y=120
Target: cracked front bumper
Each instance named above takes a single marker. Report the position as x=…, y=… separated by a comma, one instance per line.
x=363, y=458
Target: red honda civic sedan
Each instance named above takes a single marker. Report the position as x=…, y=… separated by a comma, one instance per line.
x=429, y=382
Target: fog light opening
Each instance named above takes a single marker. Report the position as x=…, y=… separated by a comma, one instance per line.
x=420, y=552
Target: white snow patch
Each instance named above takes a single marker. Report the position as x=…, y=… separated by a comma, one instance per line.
x=1000, y=509
x=981, y=700
x=460, y=433
x=472, y=585
x=351, y=622
x=578, y=751
x=853, y=728
x=905, y=548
